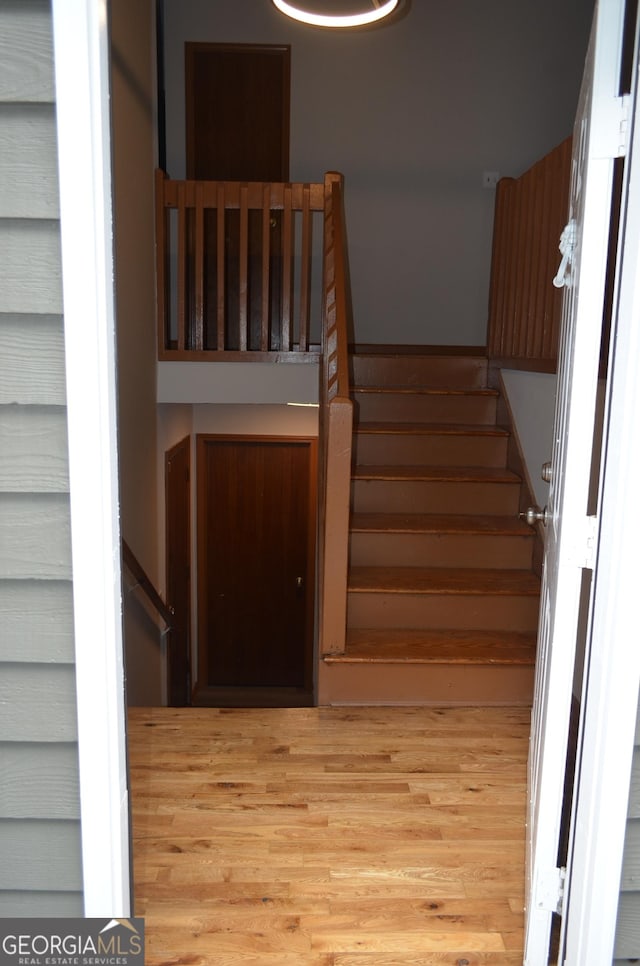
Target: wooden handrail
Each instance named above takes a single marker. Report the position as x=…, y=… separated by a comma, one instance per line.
x=336, y=425
x=145, y=583
x=235, y=269
x=524, y=308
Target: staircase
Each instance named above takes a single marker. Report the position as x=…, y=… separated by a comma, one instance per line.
x=442, y=598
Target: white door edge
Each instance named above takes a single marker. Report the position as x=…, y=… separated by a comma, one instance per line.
x=610, y=699
x=84, y=158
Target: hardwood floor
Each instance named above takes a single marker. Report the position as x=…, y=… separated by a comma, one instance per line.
x=329, y=836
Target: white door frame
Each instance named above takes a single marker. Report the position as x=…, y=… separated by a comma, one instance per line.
x=81, y=54
x=610, y=698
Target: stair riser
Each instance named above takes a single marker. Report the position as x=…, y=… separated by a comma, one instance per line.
x=440, y=550
x=434, y=372
x=426, y=496
x=424, y=408
x=440, y=611
x=428, y=685
x=398, y=449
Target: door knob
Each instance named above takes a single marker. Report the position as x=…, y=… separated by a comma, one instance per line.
x=546, y=472
x=533, y=514
x=299, y=582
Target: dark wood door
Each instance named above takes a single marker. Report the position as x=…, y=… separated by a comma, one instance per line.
x=237, y=129
x=256, y=553
x=178, y=562
x=237, y=111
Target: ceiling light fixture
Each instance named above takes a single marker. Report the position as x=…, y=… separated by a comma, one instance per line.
x=373, y=11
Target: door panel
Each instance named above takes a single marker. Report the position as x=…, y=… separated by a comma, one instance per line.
x=237, y=122
x=566, y=536
x=178, y=562
x=237, y=111
x=256, y=549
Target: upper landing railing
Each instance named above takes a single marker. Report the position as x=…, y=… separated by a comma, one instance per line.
x=240, y=269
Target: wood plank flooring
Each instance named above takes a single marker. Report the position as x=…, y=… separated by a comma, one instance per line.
x=329, y=836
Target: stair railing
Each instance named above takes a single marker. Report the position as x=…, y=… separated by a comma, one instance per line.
x=524, y=307
x=238, y=269
x=145, y=584
x=336, y=425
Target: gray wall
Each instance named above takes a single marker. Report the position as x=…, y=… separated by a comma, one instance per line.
x=40, y=864
x=134, y=160
x=412, y=114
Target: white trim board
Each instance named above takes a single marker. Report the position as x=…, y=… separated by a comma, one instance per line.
x=82, y=96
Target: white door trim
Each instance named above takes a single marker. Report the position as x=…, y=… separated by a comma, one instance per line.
x=610, y=698
x=84, y=158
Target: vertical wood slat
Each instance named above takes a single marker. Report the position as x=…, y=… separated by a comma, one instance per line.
x=517, y=235
x=561, y=185
x=526, y=249
x=305, y=270
x=162, y=254
x=524, y=307
x=244, y=262
x=198, y=331
x=497, y=288
x=538, y=306
x=288, y=242
x=182, y=265
x=266, y=253
x=220, y=263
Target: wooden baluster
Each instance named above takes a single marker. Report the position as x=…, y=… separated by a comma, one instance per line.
x=244, y=260
x=305, y=270
x=182, y=266
x=220, y=263
x=288, y=241
x=162, y=251
x=198, y=331
x=266, y=252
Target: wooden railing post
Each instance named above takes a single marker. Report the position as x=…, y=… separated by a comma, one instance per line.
x=336, y=426
x=335, y=559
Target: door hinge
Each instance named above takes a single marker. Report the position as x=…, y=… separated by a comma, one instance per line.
x=618, y=132
x=590, y=540
x=550, y=890
x=624, y=126
x=582, y=552
x=611, y=128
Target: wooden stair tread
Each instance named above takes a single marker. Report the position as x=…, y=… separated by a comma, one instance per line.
x=410, y=646
x=443, y=580
x=457, y=474
x=439, y=523
x=405, y=390
x=431, y=429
